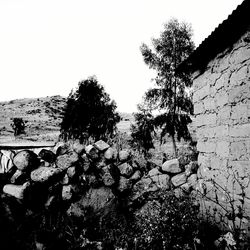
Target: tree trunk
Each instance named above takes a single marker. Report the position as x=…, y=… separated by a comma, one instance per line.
x=174, y=146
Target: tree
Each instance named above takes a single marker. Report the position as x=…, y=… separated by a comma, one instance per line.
x=89, y=113
x=169, y=96
x=18, y=125
x=142, y=130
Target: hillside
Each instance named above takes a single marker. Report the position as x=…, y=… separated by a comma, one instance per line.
x=42, y=116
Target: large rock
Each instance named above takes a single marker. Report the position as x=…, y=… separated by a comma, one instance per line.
x=124, y=155
x=101, y=145
x=92, y=152
x=97, y=200
x=126, y=169
x=171, y=166
x=17, y=191
x=109, y=154
x=179, y=179
x=47, y=155
x=43, y=174
x=26, y=160
x=67, y=160
x=108, y=176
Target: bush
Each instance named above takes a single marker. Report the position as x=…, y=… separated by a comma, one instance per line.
x=18, y=125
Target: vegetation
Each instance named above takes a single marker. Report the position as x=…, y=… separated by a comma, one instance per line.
x=169, y=96
x=18, y=126
x=89, y=113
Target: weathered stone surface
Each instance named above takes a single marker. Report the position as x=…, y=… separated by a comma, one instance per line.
x=153, y=172
x=124, y=184
x=126, y=169
x=107, y=176
x=192, y=180
x=92, y=152
x=43, y=174
x=47, y=155
x=16, y=190
x=161, y=181
x=25, y=160
x=71, y=172
x=109, y=154
x=187, y=187
x=101, y=145
x=136, y=176
x=67, y=192
x=98, y=200
x=179, y=179
x=124, y=155
x=171, y=166
x=67, y=160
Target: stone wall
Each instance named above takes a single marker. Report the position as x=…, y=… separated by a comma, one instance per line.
x=222, y=119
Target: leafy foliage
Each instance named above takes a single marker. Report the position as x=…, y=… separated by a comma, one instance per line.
x=18, y=125
x=89, y=113
x=170, y=95
x=142, y=131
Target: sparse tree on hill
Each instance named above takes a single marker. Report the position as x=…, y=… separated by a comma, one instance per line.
x=169, y=96
x=89, y=113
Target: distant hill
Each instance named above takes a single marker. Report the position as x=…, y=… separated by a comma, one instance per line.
x=43, y=117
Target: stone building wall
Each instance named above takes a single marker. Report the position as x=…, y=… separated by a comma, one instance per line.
x=222, y=119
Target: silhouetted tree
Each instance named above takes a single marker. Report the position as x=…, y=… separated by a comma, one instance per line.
x=142, y=131
x=169, y=96
x=18, y=126
x=89, y=113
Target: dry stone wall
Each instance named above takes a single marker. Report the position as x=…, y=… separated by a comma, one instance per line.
x=222, y=119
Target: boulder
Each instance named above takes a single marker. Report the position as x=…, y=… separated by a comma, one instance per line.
x=124, y=184
x=67, y=192
x=136, y=176
x=126, y=169
x=109, y=154
x=107, y=176
x=26, y=160
x=101, y=145
x=16, y=190
x=124, y=155
x=43, y=174
x=47, y=155
x=179, y=179
x=171, y=166
x=67, y=160
x=92, y=152
x=97, y=200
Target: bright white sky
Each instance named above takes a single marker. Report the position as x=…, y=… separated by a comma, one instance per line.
x=48, y=46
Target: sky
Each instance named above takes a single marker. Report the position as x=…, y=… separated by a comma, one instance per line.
x=48, y=46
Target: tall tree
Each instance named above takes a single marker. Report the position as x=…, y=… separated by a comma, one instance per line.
x=169, y=96
x=89, y=113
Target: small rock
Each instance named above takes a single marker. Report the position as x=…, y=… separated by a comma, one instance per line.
x=101, y=145
x=47, y=155
x=19, y=177
x=136, y=176
x=125, y=169
x=179, y=179
x=124, y=155
x=92, y=152
x=43, y=174
x=16, y=190
x=153, y=172
x=71, y=172
x=124, y=184
x=65, y=180
x=26, y=160
x=191, y=168
x=109, y=154
x=67, y=160
x=78, y=147
x=171, y=166
x=67, y=193
x=186, y=187
x=107, y=176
